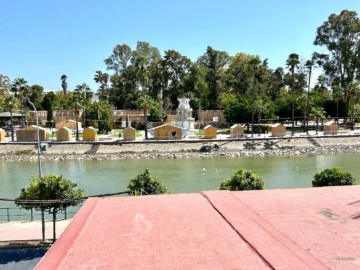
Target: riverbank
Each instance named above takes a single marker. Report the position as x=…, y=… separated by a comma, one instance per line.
x=182, y=149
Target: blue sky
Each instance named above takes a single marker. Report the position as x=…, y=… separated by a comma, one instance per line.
x=43, y=39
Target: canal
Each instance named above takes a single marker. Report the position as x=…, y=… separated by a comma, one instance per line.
x=178, y=175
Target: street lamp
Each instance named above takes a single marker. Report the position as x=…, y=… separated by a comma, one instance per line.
x=38, y=136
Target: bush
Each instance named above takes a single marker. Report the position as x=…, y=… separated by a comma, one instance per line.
x=243, y=180
x=145, y=184
x=333, y=177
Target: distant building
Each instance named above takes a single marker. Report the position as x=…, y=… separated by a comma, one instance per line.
x=330, y=128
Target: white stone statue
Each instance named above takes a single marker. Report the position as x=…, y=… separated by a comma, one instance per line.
x=184, y=103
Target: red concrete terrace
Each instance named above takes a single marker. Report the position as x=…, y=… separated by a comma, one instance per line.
x=315, y=228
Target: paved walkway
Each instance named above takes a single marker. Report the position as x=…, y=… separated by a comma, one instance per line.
x=30, y=230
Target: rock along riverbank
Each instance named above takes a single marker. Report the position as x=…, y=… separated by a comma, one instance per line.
x=181, y=149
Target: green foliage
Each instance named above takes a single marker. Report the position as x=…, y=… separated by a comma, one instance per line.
x=145, y=184
x=333, y=177
x=243, y=180
x=50, y=187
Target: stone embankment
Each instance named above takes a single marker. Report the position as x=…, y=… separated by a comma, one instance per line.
x=181, y=149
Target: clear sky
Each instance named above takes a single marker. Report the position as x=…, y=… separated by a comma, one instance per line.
x=43, y=39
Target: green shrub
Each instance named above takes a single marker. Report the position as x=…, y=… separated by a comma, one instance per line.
x=243, y=180
x=333, y=177
x=145, y=184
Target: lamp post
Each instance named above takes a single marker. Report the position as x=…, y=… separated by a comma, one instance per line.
x=38, y=136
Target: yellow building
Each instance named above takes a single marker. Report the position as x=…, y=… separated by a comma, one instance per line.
x=237, y=131
x=90, y=134
x=167, y=132
x=331, y=128
x=2, y=135
x=29, y=134
x=64, y=134
x=278, y=130
x=210, y=132
x=68, y=123
x=129, y=134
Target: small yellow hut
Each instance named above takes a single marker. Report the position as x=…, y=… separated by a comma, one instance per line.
x=68, y=123
x=278, y=130
x=129, y=134
x=331, y=128
x=237, y=131
x=167, y=132
x=2, y=135
x=210, y=132
x=29, y=134
x=64, y=134
x=89, y=134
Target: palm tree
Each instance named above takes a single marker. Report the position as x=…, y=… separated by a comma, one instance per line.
x=145, y=102
x=21, y=91
x=337, y=94
x=63, y=79
x=102, y=79
x=5, y=84
x=304, y=104
x=10, y=103
x=254, y=68
x=318, y=113
x=292, y=63
x=83, y=92
x=260, y=107
x=309, y=65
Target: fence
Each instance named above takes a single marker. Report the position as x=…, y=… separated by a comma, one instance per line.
x=8, y=214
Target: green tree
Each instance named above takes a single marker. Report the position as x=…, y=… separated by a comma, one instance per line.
x=260, y=107
x=103, y=80
x=243, y=180
x=319, y=114
x=309, y=64
x=100, y=113
x=42, y=190
x=83, y=92
x=292, y=63
x=21, y=90
x=10, y=103
x=119, y=59
x=333, y=177
x=145, y=184
x=64, y=84
x=5, y=84
x=215, y=61
x=48, y=104
x=145, y=102
x=340, y=35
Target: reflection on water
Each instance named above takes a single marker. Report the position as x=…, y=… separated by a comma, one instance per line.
x=179, y=175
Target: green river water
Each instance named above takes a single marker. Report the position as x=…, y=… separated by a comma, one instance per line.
x=179, y=175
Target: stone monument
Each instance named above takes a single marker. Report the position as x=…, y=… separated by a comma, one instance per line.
x=184, y=115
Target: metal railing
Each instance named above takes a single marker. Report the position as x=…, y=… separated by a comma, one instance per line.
x=8, y=214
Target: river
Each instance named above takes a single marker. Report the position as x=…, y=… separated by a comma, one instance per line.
x=178, y=175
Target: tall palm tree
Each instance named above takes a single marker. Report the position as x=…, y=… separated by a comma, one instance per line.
x=21, y=90
x=83, y=92
x=292, y=63
x=103, y=80
x=64, y=84
x=254, y=68
x=145, y=102
x=309, y=65
x=260, y=107
x=318, y=113
x=10, y=103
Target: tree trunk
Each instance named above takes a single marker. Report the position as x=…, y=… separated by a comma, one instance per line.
x=146, y=122
x=54, y=226
x=12, y=125
x=43, y=224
